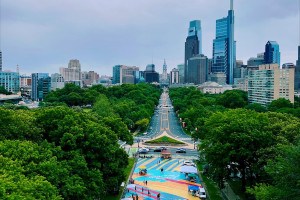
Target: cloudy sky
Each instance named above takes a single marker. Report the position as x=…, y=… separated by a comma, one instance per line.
x=43, y=35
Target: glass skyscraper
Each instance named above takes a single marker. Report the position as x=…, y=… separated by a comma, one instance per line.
x=272, y=54
x=193, y=44
x=224, y=53
x=40, y=86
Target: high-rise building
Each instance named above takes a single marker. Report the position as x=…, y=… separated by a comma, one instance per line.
x=259, y=60
x=224, y=48
x=57, y=81
x=297, y=72
x=174, y=76
x=73, y=72
x=89, y=78
x=40, y=86
x=10, y=81
x=193, y=44
x=180, y=68
x=197, y=68
x=237, y=71
x=150, y=75
x=123, y=74
x=0, y=61
x=272, y=54
x=270, y=82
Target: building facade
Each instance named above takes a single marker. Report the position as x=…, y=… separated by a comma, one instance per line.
x=197, y=68
x=89, y=78
x=297, y=72
x=73, y=72
x=272, y=54
x=150, y=75
x=270, y=82
x=213, y=88
x=193, y=44
x=174, y=76
x=0, y=61
x=40, y=86
x=224, y=47
x=10, y=81
x=57, y=81
x=123, y=74
x=180, y=68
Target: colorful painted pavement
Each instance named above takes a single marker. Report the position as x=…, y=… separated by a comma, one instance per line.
x=170, y=184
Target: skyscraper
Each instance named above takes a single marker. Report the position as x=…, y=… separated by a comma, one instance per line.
x=0, y=61
x=193, y=44
x=123, y=74
x=224, y=51
x=40, y=86
x=197, y=69
x=174, y=76
x=297, y=72
x=272, y=54
x=73, y=72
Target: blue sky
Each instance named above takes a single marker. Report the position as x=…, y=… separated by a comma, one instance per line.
x=41, y=36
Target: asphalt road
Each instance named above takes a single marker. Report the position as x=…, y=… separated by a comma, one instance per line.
x=165, y=119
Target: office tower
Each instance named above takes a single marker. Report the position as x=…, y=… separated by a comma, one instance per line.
x=123, y=74
x=272, y=54
x=150, y=75
x=224, y=51
x=218, y=77
x=238, y=69
x=10, y=81
x=180, y=68
x=256, y=61
x=0, y=61
x=270, y=82
x=40, y=86
x=165, y=73
x=193, y=44
x=209, y=67
x=57, y=81
x=174, y=76
x=73, y=72
x=89, y=78
x=297, y=72
x=197, y=68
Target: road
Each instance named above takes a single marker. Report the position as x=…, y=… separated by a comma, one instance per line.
x=165, y=120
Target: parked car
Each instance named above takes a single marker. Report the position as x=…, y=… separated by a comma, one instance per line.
x=159, y=149
x=180, y=150
x=188, y=163
x=143, y=150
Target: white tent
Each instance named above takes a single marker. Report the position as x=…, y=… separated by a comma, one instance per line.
x=188, y=169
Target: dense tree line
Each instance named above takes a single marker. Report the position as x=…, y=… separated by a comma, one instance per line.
x=4, y=91
x=132, y=103
x=63, y=151
x=260, y=145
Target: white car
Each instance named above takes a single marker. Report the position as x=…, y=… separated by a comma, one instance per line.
x=202, y=193
x=188, y=163
x=143, y=149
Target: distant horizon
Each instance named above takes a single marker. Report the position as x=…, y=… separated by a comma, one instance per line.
x=42, y=37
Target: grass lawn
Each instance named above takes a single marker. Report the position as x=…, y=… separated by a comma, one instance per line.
x=164, y=140
x=211, y=187
x=127, y=172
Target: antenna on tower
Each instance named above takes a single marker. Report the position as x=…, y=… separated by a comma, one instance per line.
x=231, y=4
x=18, y=69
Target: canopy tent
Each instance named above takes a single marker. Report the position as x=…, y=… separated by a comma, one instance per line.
x=188, y=169
x=142, y=167
x=166, y=154
x=193, y=187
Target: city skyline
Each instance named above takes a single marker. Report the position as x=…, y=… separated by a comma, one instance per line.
x=43, y=38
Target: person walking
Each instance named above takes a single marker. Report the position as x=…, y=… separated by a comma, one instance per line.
x=146, y=182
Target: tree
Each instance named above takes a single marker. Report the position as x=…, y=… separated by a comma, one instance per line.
x=280, y=103
x=233, y=99
x=4, y=91
x=285, y=172
x=229, y=143
x=256, y=107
